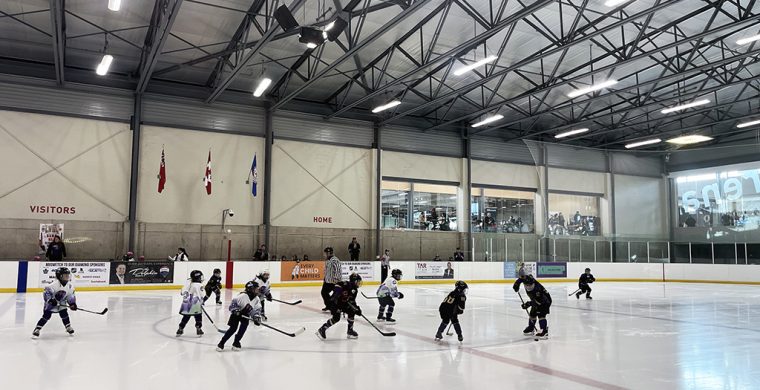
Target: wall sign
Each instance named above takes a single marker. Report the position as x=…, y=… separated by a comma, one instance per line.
x=323, y=219
x=83, y=274
x=36, y=209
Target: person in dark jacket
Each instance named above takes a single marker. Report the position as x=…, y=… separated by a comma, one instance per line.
x=353, y=249
x=583, y=284
x=261, y=254
x=56, y=251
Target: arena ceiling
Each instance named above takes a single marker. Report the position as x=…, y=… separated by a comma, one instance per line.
x=661, y=53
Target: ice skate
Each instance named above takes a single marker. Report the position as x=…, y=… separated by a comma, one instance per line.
x=236, y=346
x=180, y=331
x=36, y=332
x=543, y=335
x=321, y=334
x=351, y=334
x=528, y=331
x=199, y=332
x=69, y=329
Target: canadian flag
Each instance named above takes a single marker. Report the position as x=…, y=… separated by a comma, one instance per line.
x=162, y=173
x=207, y=178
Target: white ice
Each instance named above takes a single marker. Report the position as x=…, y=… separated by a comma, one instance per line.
x=632, y=335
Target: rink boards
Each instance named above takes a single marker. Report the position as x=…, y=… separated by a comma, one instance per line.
x=23, y=276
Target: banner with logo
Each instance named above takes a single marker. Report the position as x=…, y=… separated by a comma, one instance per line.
x=551, y=270
x=48, y=231
x=297, y=271
x=83, y=274
x=365, y=269
x=150, y=272
x=434, y=270
x=510, y=270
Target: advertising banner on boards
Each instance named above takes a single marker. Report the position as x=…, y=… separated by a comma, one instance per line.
x=83, y=273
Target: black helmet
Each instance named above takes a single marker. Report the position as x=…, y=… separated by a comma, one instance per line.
x=355, y=278
x=217, y=271
x=397, y=274
x=329, y=250
x=529, y=280
x=460, y=285
x=196, y=276
x=60, y=272
x=250, y=288
x=588, y=269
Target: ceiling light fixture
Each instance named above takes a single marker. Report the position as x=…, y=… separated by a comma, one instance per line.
x=311, y=36
x=593, y=88
x=105, y=63
x=386, y=106
x=685, y=106
x=689, y=139
x=747, y=40
x=748, y=124
x=263, y=85
x=643, y=143
x=488, y=120
x=571, y=132
x=474, y=65
x=114, y=5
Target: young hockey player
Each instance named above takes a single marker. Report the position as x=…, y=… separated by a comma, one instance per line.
x=265, y=292
x=583, y=284
x=191, y=303
x=246, y=304
x=59, y=296
x=539, y=303
x=214, y=285
x=450, y=309
x=343, y=300
x=385, y=293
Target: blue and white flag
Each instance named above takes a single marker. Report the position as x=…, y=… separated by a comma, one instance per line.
x=255, y=174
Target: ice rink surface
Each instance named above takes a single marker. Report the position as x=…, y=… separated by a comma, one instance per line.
x=632, y=335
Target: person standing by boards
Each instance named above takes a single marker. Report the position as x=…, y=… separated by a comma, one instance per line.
x=354, y=249
x=332, y=276
x=56, y=251
x=385, y=265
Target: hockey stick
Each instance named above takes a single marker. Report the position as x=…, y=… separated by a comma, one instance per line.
x=212, y=321
x=574, y=292
x=368, y=297
x=523, y=302
x=102, y=312
x=448, y=331
x=294, y=334
x=386, y=334
x=288, y=303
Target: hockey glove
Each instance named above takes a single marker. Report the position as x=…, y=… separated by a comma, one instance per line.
x=400, y=295
x=73, y=306
x=52, y=302
x=516, y=287
x=269, y=297
x=526, y=305
x=256, y=320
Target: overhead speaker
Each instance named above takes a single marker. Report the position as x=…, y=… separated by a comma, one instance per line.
x=311, y=36
x=285, y=18
x=338, y=25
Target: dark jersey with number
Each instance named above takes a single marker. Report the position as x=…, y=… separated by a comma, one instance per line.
x=538, y=294
x=344, y=293
x=453, y=304
x=586, y=279
x=214, y=282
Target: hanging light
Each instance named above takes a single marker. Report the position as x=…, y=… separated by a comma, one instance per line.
x=105, y=63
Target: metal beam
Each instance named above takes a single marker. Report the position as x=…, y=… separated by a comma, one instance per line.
x=268, y=36
x=238, y=39
x=58, y=23
x=164, y=15
x=452, y=54
x=581, y=35
x=134, y=173
x=350, y=53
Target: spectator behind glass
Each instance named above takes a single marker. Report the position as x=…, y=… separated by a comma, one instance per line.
x=295, y=258
x=305, y=257
x=130, y=256
x=180, y=256
x=261, y=254
x=56, y=251
x=283, y=258
x=458, y=255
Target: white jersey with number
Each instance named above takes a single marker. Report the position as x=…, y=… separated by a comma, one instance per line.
x=240, y=301
x=264, y=287
x=64, y=295
x=389, y=287
x=192, y=298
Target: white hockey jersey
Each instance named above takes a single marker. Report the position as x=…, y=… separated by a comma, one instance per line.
x=388, y=288
x=264, y=287
x=240, y=301
x=64, y=295
x=192, y=298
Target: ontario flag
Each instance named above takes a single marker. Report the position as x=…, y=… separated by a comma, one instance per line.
x=162, y=173
x=207, y=178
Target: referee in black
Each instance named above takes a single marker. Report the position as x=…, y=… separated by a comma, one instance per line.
x=332, y=276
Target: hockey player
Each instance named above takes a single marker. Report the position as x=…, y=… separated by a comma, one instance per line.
x=385, y=293
x=214, y=285
x=265, y=291
x=343, y=300
x=450, y=309
x=191, y=303
x=246, y=304
x=539, y=303
x=59, y=296
x=583, y=284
